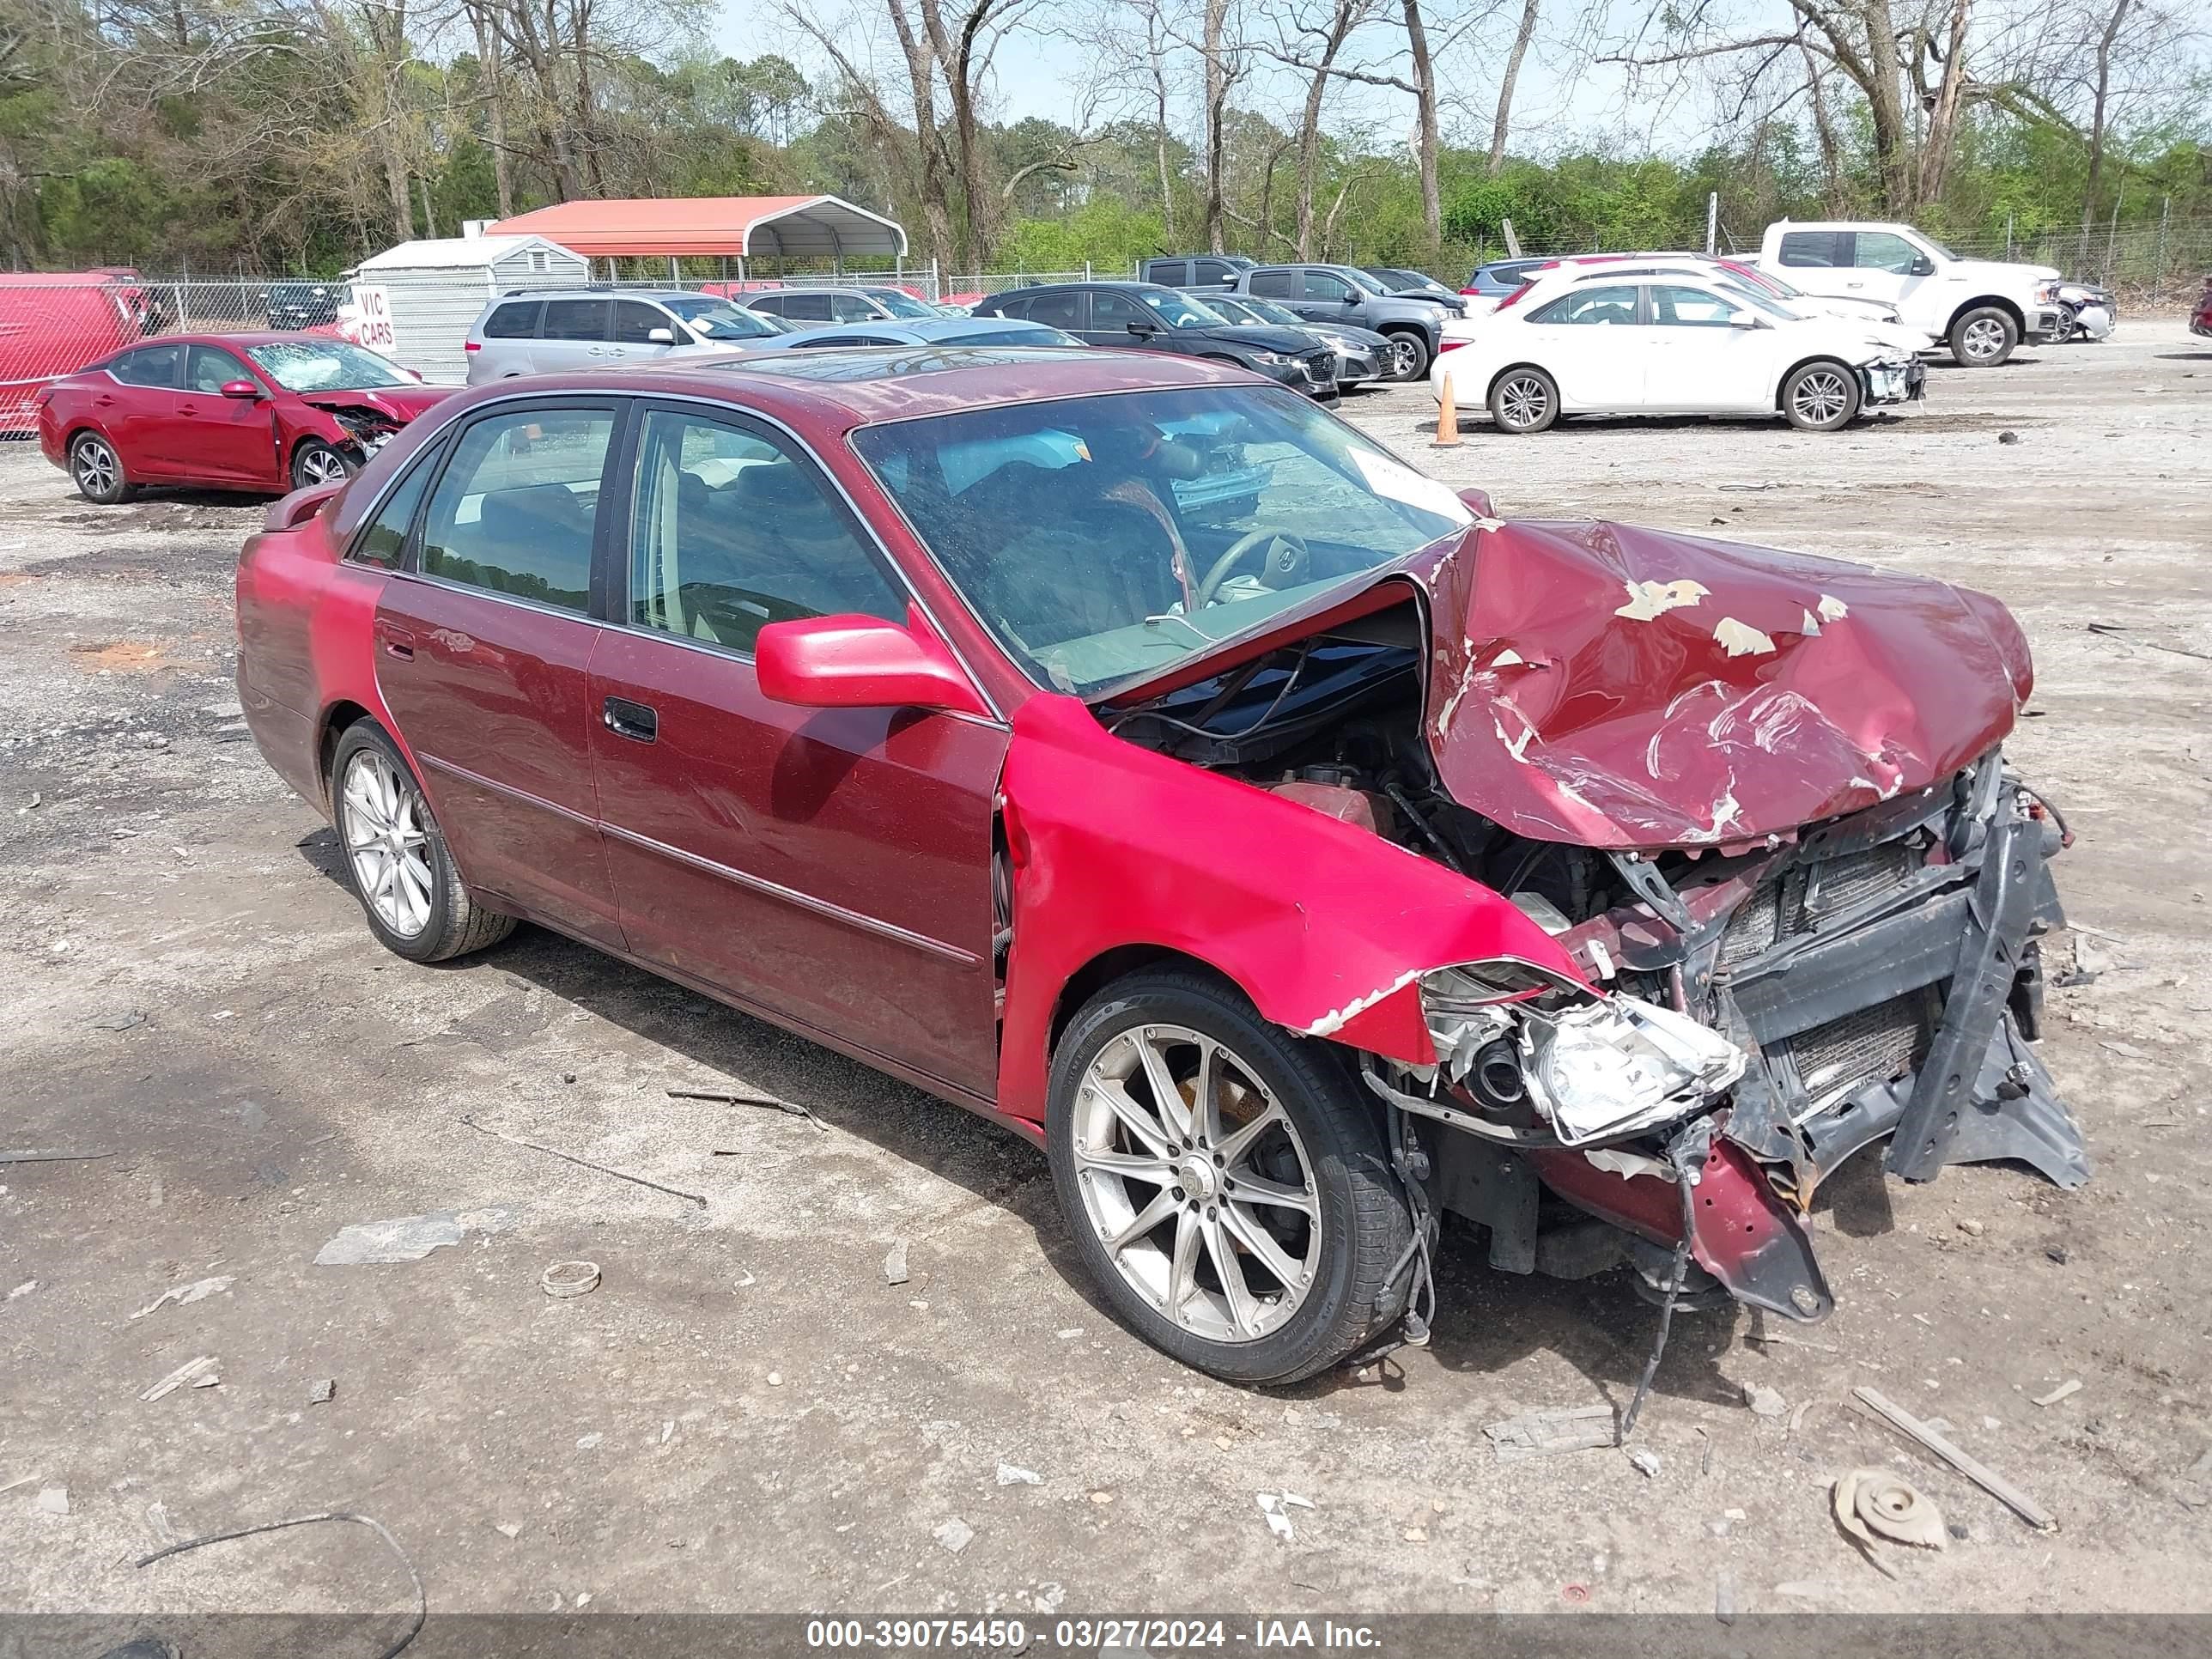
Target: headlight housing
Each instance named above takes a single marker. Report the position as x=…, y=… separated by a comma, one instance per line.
x=1595, y=1067
x=1273, y=359
x=2046, y=293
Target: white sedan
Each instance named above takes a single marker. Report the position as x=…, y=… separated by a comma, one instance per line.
x=1589, y=343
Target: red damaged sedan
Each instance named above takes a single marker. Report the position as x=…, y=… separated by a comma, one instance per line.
x=1132, y=752
x=273, y=413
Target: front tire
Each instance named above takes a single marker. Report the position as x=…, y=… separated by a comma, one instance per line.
x=1984, y=336
x=396, y=858
x=315, y=462
x=1224, y=1186
x=97, y=471
x=1524, y=400
x=1409, y=358
x=2064, y=331
x=1822, y=397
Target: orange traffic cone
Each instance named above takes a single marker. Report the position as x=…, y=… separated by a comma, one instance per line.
x=1447, y=417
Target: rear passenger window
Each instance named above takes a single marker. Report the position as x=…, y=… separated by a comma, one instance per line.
x=807, y=308
x=575, y=320
x=1275, y=284
x=1169, y=273
x=383, y=540
x=513, y=511
x=515, y=321
x=160, y=365
x=851, y=308
x=731, y=531
x=1017, y=309
x=1212, y=271
x=1816, y=248
x=1061, y=310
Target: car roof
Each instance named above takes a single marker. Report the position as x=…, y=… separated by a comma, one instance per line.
x=921, y=330
x=845, y=386
x=240, y=339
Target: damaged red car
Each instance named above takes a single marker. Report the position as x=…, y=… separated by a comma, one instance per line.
x=272, y=412
x=1134, y=753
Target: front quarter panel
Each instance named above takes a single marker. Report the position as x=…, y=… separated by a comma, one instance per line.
x=1325, y=926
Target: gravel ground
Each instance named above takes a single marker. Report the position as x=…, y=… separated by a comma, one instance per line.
x=745, y=1415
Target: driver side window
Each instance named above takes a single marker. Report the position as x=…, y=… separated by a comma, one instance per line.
x=1111, y=312
x=1882, y=250
x=1597, y=307
x=1688, y=308
x=730, y=531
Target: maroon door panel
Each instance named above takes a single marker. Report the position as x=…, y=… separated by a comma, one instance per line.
x=205, y=435
x=494, y=698
x=832, y=865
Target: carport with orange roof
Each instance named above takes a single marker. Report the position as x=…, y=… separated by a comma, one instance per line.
x=740, y=228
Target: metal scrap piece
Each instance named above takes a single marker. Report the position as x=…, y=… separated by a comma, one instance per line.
x=1542, y=1433
x=1876, y=1404
x=1874, y=1503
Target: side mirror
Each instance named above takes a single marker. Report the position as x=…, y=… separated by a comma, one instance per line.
x=859, y=662
x=1742, y=320
x=660, y=337
x=1477, y=502
x=1923, y=266
x=241, y=389
x=1351, y=299
x=1143, y=330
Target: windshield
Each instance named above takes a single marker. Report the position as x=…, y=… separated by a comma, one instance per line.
x=325, y=365
x=1104, y=538
x=900, y=303
x=1180, y=310
x=1367, y=282
x=1771, y=306
x=718, y=320
x=1933, y=243
x=1268, y=311
x=1032, y=334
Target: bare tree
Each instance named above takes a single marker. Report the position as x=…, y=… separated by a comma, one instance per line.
x=2097, y=112
x=1224, y=68
x=1502, y=120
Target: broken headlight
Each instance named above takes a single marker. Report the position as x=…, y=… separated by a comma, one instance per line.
x=1594, y=1065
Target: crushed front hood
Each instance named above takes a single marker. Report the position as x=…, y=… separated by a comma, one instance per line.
x=1620, y=686
x=399, y=404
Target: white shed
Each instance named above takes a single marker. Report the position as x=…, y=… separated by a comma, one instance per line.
x=416, y=301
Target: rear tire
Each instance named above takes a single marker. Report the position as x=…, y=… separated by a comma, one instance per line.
x=315, y=462
x=1524, y=400
x=1984, y=336
x=96, y=469
x=395, y=856
x=1287, y=1156
x=1822, y=397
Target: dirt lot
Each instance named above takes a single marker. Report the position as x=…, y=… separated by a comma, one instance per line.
x=745, y=1416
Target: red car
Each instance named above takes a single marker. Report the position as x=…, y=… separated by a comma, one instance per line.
x=52, y=322
x=1293, y=865
x=2200, y=320
x=273, y=412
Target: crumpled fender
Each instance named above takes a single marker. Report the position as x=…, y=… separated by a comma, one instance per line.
x=1324, y=926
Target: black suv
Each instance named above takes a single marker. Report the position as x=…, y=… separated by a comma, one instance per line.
x=1161, y=319
x=1203, y=270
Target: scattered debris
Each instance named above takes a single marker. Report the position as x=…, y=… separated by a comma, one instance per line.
x=23, y=1289
x=53, y=1500
x=791, y=1106
x=582, y=1162
x=122, y=1020
x=2065, y=1390
x=955, y=1534
x=2008, y=436
x=2126, y=1050
x=1797, y=1416
x=507, y=1530
x=591, y=1442
x=157, y=1523
x=1874, y=1503
x=1980, y=1473
x=894, y=1264
x=191, y=1371
x=408, y=1237
x=1765, y=1401
x=1807, y=1590
x=2056, y=1253
x=2114, y=630
x=1645, y=1461
x=1011, y=1476
x=1971, y=1228
x=1724, y=1598
x=1103, y=1499
x=1783, y=1339
x=184, y=1295
x=20, y=1480
x=776, y=1379
x=322, y=1391
x=208, y=1380
x=1417, y=1534
x=564, y=1279
x=51, y=1155
x=421, y=1601
x=1542, y=1433
x=1275, y=1506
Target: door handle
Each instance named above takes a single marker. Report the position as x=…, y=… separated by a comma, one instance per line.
x=1854, y=284
x=639, y=722
x=399, y=642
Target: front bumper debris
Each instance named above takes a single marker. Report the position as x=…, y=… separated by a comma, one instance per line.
x=1877, y=978
x=1893, y=381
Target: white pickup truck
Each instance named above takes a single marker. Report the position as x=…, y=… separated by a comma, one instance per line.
x=1979, y=309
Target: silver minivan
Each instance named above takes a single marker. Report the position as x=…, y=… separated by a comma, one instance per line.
x=544, y=331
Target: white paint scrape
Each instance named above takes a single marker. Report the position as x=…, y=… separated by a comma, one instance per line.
x=1335, y=1021
x=1649, y=600
x=1740, y=639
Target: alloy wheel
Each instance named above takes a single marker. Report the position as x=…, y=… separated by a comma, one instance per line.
x=386, y=839
x=1820, y=397
x=1197, y=1183
x=1523, y=401
x=1405, y=357
x=97, y=470
x=1983, y=338
x=319, y=465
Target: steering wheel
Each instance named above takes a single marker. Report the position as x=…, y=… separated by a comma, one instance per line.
x=1289, y=561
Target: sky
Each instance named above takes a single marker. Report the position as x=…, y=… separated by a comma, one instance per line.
x=1046, y=76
